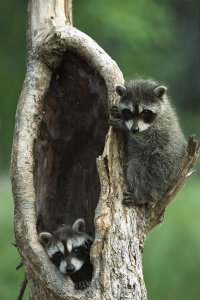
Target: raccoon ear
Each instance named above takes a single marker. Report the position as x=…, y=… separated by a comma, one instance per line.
x=79, y=225
x=44, y=238
x=159, y=91
x=120, y=89
x=88, y=242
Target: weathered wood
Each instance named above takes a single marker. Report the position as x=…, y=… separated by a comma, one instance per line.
x=65, y=160
x=43, y=15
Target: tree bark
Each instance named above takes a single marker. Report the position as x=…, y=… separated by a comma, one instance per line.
x=66, y=159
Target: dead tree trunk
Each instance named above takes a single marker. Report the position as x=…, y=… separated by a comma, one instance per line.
x=65, y=159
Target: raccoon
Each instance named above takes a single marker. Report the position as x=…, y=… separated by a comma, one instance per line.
x=69, y=249
x=154, y=142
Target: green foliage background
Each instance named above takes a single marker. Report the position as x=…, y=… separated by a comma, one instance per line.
x=157, y=39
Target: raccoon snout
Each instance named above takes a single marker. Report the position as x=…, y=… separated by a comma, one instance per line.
x=134, y=129
x=70, y=269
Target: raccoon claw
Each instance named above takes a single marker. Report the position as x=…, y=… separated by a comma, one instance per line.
x=128, y=201
x=115, y=112
x=116, y=123
x=81, y=285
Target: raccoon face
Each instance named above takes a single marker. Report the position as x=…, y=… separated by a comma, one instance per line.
x=138, y=120
x=68, y=247
x=140, y=104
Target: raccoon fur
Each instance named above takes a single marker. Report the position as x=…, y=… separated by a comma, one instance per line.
x=154, y=142
x=69, y=249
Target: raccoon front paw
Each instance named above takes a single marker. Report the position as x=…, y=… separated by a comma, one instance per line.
x=128, y=200
x=115, y=112
x=81, y=285
x=117, y=123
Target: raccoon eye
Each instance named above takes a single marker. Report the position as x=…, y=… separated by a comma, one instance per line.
x=58, y=254
x=76, y=250
x=126, y=114
x=146, y=112
x=148, y=116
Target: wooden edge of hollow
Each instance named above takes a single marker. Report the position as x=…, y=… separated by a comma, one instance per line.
x=22, y=169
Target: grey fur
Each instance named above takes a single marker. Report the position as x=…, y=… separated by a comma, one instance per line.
x=68, y=247
x=153, y=156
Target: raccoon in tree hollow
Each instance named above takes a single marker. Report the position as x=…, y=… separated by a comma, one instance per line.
x=69, y=249
x=154, y=143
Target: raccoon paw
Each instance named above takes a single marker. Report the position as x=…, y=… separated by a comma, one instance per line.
x=117, y=123
x=128, y=200
x=115, y=112
x=81, y=285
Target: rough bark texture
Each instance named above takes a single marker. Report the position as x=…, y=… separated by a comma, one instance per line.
x=65, y=161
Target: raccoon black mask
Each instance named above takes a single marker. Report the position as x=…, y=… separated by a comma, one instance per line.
x=68, y=248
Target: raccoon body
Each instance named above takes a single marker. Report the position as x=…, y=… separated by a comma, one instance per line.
x=69, y=249
x=154, y=142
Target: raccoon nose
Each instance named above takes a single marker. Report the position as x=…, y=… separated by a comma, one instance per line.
x=134, y=129
x=70, y=269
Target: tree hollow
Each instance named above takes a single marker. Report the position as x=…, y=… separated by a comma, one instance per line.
x=71, y=136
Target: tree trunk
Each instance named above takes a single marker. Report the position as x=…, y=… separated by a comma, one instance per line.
x=67, y=163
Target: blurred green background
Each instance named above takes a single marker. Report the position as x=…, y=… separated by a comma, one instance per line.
x=157, y=39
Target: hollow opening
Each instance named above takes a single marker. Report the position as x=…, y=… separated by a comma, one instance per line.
x=71, y=136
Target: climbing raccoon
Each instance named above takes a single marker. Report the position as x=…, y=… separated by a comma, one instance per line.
x=69, y=249
x=154, y=142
